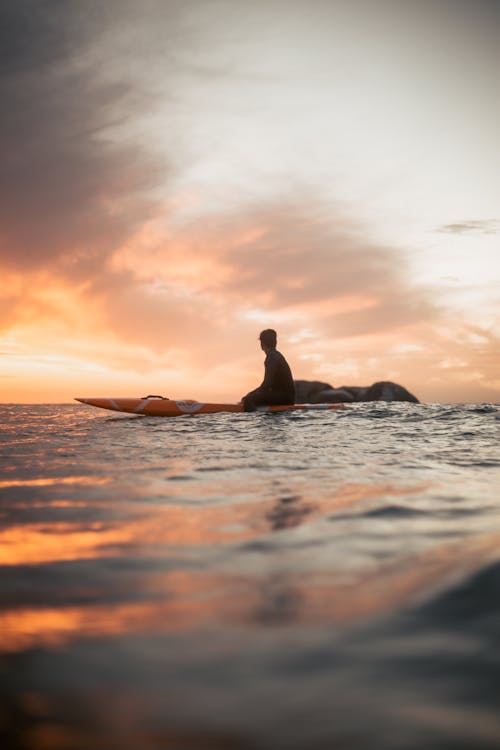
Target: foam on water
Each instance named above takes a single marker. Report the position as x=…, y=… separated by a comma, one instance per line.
x=302, y=580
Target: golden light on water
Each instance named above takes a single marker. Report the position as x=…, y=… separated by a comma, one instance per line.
x=54, y=481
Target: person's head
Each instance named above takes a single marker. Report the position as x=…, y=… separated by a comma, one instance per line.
x=268, y=339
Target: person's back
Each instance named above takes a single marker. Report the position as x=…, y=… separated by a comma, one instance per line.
x=278, y=387
x=278, y=376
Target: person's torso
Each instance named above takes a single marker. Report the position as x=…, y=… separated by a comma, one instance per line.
x=282, y=379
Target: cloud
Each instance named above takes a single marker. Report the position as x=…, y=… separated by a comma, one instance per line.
x=194, y=296
x=69, y=191
x=295, y=256
x=200, y=290
x=305, y=258
x=480, y=226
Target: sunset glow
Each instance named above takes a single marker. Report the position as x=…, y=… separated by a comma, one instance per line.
x=177, y=177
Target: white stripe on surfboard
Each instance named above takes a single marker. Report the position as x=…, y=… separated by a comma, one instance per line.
x=189, y=407
x=142, y=405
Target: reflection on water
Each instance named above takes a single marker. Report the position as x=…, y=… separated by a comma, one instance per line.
x=161, y=527
x=187, y=600
x=54, y=481
x=249, y=582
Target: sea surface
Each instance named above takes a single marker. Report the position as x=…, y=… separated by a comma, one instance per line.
x=294, y=581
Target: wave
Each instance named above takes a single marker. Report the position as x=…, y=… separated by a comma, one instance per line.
x=393, y=511
x=474, y=600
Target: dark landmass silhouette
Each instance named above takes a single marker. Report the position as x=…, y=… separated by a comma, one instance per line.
x=316, y=392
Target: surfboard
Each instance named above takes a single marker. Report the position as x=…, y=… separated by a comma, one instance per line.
x=157, y=406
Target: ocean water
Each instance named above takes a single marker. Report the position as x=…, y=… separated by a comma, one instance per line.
x=320, y=580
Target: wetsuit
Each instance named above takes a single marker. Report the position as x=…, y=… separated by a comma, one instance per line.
x=277, y=386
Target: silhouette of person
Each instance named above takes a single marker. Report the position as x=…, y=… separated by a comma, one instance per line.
x=278, y=386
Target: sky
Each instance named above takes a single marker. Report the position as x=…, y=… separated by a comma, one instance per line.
x=177, y=175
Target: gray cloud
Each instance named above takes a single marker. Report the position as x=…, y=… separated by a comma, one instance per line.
x=68, y=191
x=480, y=226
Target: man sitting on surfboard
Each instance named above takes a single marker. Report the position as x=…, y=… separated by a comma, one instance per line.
x=277, y=387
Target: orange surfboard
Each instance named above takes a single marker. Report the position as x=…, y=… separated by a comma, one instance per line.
x=156, y=406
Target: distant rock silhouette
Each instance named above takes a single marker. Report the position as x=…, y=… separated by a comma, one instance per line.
x=316, y=392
